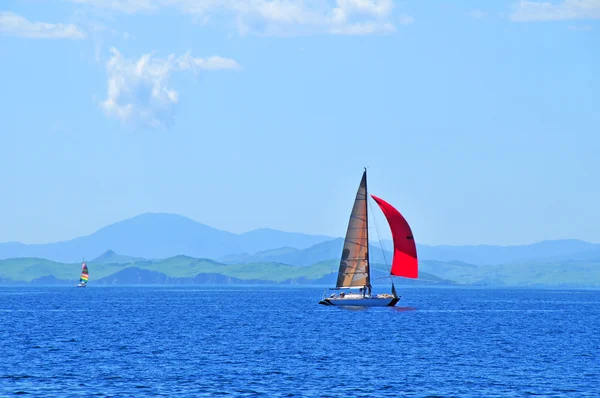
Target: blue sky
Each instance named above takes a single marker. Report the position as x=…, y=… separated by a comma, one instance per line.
x=478, y=120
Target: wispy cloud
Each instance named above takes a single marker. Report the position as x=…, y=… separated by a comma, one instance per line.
x=277, y=17
x=12, y=24
x=138, y=89
x=478, y=14
x=585, y=28
x=405, y=19
x=127, y=6
x=563, y=10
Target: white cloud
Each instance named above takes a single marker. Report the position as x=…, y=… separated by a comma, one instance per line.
x=277, y=17
x=346, y=9
x=478, y=14
x=139, y=92
x=585, y=28
x=405, y=19
x=563, y=10
x=125, y=6
x=361, y=28
x=15, y=25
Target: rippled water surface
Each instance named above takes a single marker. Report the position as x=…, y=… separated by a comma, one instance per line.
x=199, y=341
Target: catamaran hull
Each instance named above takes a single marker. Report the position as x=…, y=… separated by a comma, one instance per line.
x=361, y=302
x=81, y=285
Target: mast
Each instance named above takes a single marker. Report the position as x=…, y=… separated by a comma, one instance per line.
x=368, y=267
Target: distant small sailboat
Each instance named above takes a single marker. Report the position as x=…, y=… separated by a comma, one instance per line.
x=83, y=279
x=355, y=269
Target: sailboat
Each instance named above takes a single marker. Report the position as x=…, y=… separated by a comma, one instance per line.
x=354, y=274
x=83, y=279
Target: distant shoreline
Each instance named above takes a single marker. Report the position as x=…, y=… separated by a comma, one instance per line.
x=298, y=286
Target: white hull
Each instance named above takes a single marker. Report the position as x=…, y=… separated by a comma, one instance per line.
x=81, y=285
x=360, y=302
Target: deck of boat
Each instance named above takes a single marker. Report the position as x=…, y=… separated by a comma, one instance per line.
x=358, y=300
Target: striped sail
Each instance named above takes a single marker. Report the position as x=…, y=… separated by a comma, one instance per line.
x=84, y=273
x=354, y=265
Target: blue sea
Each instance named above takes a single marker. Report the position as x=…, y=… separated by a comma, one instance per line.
x=202, y=341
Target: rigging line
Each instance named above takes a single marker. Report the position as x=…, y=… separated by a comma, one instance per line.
x=379, y=237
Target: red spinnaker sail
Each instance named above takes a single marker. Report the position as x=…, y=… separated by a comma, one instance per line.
x=405, y=252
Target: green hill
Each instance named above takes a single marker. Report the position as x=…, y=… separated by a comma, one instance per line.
x=549, y=274
x=110, y=257
x=183, y=269
x=28, y=269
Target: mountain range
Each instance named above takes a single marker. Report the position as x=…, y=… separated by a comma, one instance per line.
x=327, y=250
x=550, y=250
x=159, y=235
x=164, y=248
x=111, y=268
